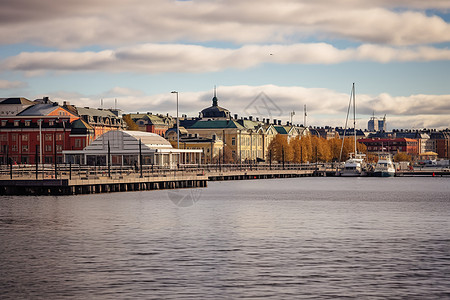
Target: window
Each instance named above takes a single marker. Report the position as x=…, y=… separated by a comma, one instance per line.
x=48, y=137
x=4, y=122
x=3, y=137
x=14, y=137
x=233, y=141
x=14, y=148
x=51, y=123
x=59, y=136
x=24, y=137
x=16, y=123
x=24, y=148
x=27, y=123
x=48, y=148
x=59, y=148
x=78, y=143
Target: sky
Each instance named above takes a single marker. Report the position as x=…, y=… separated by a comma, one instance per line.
x=267, y=58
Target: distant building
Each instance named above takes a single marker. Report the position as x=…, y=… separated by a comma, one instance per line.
x=372, y=125
x=376, y=125
x=149, y=122
x=127, y=148
x=376, y=145
x=211, y=147
x=44, y=129
x=13, y=106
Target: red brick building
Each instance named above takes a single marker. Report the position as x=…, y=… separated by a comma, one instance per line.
x=374, y=145
x=42, y=131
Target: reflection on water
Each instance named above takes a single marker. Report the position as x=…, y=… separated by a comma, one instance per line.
x=291, y=238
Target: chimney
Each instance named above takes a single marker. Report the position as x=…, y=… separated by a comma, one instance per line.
x=257, y=119
x=279, y=122
x=274, y=121
x=250, y=118
x=45, y=100
x=235, y=116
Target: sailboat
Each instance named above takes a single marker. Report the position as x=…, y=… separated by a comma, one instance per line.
x=355, y=164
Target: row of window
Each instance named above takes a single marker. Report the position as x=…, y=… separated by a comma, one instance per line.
x=47, y=148
x=27, y=123
x=25, y=137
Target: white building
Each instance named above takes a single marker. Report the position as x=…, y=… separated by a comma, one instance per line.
x=127, y=148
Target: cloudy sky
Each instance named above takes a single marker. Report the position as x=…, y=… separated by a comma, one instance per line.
x=266, y=57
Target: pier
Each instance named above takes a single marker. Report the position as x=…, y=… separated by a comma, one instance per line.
x=76, y=180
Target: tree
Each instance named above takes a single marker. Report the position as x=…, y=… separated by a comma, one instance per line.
x=296, y=147
x=130, y=123
x=228, y=156
x=276, y=148
x=402, y=156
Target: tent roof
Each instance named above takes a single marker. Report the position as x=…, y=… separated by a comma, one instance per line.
x=120, y=140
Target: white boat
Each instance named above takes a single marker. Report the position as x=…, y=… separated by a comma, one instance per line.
x=384, y=167
x=355, y=165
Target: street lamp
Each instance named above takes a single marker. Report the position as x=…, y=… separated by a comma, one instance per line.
x=178, y=124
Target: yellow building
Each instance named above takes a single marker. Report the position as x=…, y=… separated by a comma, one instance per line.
x=211, y=147
x=247, y=138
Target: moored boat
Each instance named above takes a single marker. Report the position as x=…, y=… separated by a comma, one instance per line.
x=384, y=167
x=355, y=165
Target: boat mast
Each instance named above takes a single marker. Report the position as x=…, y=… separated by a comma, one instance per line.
x=346, y=122
x=354, y=115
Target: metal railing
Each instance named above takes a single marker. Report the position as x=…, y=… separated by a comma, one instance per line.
x=73, y=171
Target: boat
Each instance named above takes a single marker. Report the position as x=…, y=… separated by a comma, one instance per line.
x=355, y=165
x=384, y=167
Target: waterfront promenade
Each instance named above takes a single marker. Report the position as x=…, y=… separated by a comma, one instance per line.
x=74, y=180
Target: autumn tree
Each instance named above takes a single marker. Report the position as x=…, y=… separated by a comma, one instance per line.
x=130, y=123
x=296, y=147
x=276, y=148
x=402, y=156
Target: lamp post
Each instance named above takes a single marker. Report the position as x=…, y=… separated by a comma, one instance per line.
x=178, y=123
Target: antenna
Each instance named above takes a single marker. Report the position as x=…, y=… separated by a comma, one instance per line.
x=292, y=114
x=304, y=116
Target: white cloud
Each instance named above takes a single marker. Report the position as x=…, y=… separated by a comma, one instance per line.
x=6, y=84
x=73, y=24
x=157, y=58
x=325, y=106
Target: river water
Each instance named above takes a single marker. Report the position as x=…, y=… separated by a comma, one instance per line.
x=300, y=238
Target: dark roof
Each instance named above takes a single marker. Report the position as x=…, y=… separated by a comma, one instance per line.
x=280, y=129
x=188, y=123
x=215, y=111
x=216, y=124
x=194, y=139
x=86, y=111
x=23, y=101
x=80, y=127
x=39, y=110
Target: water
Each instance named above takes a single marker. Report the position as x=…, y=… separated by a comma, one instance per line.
x=321, y=238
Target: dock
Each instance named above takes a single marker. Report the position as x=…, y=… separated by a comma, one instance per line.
x=77, y=180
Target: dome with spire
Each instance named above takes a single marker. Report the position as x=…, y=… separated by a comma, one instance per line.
x=215, y=111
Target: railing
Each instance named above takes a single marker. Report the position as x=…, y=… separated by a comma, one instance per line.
x=71, y=171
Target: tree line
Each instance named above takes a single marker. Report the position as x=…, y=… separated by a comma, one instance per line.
x=311, y=149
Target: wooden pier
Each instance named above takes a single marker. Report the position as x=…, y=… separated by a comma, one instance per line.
x=92, y=180
x=99, y=185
